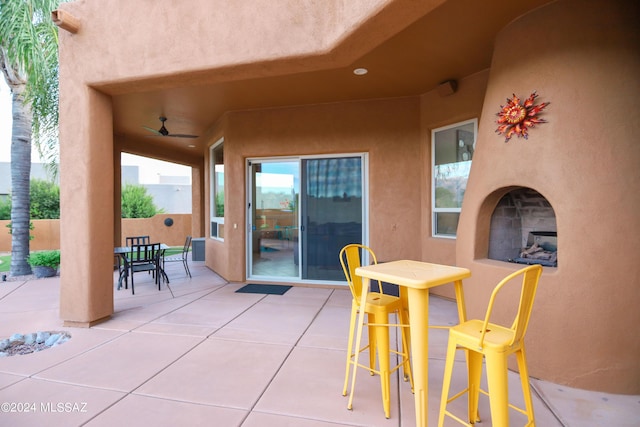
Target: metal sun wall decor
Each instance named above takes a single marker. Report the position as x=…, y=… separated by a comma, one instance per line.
x=516, y=118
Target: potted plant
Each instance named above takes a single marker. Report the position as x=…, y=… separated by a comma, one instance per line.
x=44, y=263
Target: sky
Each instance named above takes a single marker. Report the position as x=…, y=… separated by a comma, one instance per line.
x=149, y=169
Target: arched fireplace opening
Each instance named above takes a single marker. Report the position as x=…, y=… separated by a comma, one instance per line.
x=523, y=229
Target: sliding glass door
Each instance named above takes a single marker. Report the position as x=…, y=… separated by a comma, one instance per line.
x=274, y=219
x=301, y=213
x=333, y=214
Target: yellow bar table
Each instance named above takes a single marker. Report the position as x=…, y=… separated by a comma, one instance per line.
x=417, y=278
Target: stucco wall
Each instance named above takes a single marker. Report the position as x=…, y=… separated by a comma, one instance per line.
x=46, y=235
x=156, y=229
x=389, y=131
x=170, y=55
x=582, y=56
x=46, y=232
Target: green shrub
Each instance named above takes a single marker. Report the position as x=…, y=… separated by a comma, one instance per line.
x=137, y=203
x=45, y=199
x=44, y=202
x=5, y=208
x=44, y=259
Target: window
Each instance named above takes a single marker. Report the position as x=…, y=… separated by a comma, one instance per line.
x=451, y=153
x=217, y=190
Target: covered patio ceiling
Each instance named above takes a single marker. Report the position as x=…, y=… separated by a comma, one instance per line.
x=452, y=41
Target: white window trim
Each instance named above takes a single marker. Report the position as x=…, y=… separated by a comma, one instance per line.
x=435, y=210
x=212, y=208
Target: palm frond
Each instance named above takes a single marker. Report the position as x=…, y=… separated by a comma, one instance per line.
x=29, y=57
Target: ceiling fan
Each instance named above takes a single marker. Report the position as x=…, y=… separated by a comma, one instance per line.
x=164, y=132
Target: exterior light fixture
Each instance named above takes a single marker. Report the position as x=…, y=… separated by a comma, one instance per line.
x=360, y=71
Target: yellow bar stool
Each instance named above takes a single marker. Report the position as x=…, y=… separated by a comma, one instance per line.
x=378, y=308
x=495, y=343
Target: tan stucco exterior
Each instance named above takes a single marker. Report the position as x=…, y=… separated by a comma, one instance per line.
x=585, y=162
x=581, y=56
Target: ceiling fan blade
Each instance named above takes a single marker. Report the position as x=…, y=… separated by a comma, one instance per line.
x=164, y=132
x=181, y=135
x=152, y=131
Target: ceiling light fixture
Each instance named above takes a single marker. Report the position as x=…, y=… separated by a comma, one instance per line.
x=360, y=71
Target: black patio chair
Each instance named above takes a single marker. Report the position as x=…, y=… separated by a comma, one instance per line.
x=125, y=259
x=137, y=240
x=182, y=257
x=147, y=258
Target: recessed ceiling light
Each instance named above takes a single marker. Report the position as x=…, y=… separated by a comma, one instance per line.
x=360, y=71
x=191, y=146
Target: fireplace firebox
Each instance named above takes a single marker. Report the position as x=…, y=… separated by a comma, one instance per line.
x=542, y=248
x=523, y=229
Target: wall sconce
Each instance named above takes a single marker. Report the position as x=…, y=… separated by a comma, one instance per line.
x=447, y=88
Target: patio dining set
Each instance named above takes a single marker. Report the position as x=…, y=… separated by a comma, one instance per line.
x=140, y=255
x=481, y=340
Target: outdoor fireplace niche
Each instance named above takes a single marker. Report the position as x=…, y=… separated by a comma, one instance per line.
x=523, y=229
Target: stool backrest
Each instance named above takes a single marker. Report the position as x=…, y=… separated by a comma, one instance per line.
x=530, y=278
x=350, y=259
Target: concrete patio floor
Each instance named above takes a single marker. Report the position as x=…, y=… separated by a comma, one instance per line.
x=198, y=353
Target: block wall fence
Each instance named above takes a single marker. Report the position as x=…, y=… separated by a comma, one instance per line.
x=46, y=232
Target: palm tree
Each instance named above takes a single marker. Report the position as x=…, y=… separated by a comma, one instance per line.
x=29, y=62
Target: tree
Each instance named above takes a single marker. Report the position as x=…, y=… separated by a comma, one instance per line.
x=136, y=203
x=29, y=63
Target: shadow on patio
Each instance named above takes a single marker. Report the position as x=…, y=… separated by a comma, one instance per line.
x=198, y=353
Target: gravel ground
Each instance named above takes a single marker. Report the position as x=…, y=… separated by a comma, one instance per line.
x=19, y=344
x=20, y=349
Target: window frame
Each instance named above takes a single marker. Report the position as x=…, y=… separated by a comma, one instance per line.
x=456, y=210
x=216, y=231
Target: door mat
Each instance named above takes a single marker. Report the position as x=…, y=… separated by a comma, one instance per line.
x=264, y=289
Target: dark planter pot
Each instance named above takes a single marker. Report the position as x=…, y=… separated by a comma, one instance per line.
x=42, y=271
